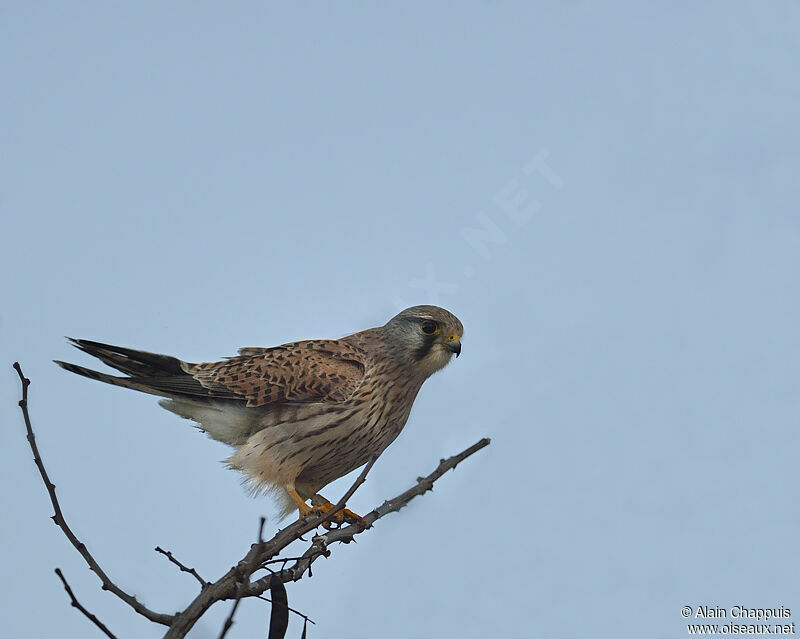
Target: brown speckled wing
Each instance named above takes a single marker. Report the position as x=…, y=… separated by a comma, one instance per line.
x=309, y=371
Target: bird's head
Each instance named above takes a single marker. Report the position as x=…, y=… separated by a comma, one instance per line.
x=428, y=337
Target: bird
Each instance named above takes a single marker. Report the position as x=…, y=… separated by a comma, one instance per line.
x=302, y=414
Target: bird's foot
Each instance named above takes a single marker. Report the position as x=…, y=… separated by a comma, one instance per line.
x=320, y=506
x=344, y=516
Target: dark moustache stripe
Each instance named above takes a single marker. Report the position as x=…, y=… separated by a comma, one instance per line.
x=427, y=344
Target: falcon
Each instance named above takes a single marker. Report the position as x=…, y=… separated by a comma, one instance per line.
x=303, y=414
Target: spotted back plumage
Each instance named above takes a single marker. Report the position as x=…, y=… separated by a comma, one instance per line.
x=309, y=371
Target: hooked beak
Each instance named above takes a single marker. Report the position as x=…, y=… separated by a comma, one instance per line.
x=453, y=344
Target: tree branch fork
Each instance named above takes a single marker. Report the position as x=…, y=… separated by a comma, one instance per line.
x=237, y=584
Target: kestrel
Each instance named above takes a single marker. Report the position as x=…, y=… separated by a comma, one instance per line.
x=302, y=414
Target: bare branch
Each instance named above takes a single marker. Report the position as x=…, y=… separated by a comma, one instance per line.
x=320, y=543
x=226, y=587
x=246, y=570
x=76, y=604
x=203, y=583
x=58, y=518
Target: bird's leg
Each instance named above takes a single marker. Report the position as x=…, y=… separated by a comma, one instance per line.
x=302, y=506
x=345, y=515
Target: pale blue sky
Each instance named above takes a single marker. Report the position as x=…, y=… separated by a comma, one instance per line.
x=191, y=178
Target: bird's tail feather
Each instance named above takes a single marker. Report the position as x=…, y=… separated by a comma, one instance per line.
x=152, y=373
x=124, y=382
x=131, y=361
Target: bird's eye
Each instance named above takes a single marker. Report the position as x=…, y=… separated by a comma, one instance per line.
x=429, y=327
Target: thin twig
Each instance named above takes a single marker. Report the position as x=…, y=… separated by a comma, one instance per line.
x=343, y=501
x=203, y=583
x=76, y=604
x=289, y=608
x=58, y=518
x=246, y=570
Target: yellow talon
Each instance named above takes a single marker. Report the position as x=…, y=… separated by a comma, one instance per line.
x=344, y=516
x=322, y=506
